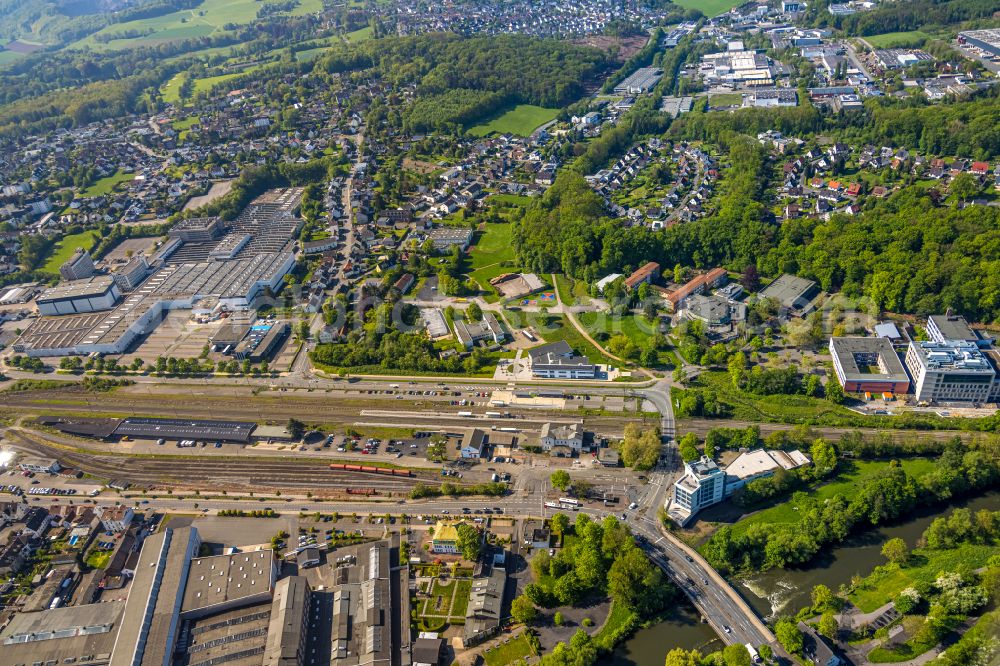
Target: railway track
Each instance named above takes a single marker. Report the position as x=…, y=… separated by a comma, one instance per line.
x=226, y=473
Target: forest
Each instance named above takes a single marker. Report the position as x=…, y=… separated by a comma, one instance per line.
x=460, y=78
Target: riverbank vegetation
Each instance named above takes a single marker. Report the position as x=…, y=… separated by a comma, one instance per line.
x=864, y=495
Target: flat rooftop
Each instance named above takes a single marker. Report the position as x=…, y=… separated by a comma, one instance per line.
x=153, y=428
x=953, y=327
x=224, y=579
x=855, y=358
x=791, y=291
x=759, y=461
x=62, y=634
x=952, y=356
x=94, y=286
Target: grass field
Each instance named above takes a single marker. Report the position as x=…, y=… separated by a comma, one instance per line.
x=65, y=248
x=709, y=7
x=887, y=581
x=522, y=120
x=515, y=649
x=185, y=123
x=360, y=35
x=207, y=18
x=846, y=483
x=725, y=99
x=492, y=245
x=491, y=251
x=171, y=90
x=897, y=39
x=105, y=185
x=9, y=56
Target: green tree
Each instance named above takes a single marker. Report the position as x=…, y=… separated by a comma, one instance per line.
x=560, y=479
x=964, y=186
x=636, y=583
x=295, y=428
x=688, y=446
x=789, y=635
x=474, y=312
x=469, y=541
x=682, y=657
x=895, y=551
x=828, y=625
x=834, y=391
x=824, y=457
x=736, y=655
x=522, y=610
x=560, y=523
x=822, y=597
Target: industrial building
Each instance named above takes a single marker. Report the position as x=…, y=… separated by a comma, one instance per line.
x=131, y=275
x=987, y=41
x=641, y=81
x=951, y=371
x=74, y=634
x=868, y=365
x=191, y=610
x=190, y=272
x=771, y=97
x=78, y=296
x=186, y=610
x=737, y=68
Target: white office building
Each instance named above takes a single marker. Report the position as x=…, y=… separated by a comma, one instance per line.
x=951, y=371
x=702, y=485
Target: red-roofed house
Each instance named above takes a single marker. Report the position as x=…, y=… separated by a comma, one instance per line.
x=980, y=168
x=646, y=274
x=853, y=190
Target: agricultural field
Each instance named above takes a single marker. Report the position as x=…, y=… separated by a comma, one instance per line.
x=65, y=248
x=522, y=120
x=7, y=56
x=208, y=18
x=709, y=7
x=898, y=39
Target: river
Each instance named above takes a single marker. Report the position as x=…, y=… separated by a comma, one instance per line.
x=783, y=590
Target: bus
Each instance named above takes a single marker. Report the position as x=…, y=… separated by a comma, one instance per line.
x=569, y=501
x=553, y=505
